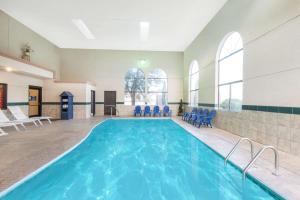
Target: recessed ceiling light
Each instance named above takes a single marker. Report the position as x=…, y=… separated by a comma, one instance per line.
x=144, y=30
x=9, y=69
x=83, y=29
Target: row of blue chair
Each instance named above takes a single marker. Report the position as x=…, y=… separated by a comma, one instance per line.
x=155, y=112
x=199, y=117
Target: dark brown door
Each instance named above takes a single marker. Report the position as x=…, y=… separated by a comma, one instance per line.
x=3, y=96
x=110, y=98
x=93, y=103
x=35, y=101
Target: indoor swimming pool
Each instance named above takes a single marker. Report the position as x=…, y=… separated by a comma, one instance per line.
x=130, y=159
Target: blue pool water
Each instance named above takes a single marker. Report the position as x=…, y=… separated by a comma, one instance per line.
x=140, y=159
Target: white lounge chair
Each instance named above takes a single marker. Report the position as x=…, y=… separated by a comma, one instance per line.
x=21, y=117
x=16, y=111
x=2, y=132
x=5, y=122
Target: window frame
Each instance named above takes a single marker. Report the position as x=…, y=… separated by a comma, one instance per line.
x=190, y=82
x=230, y=83
x=126, y=91
x=4, y=96
x=157, y=78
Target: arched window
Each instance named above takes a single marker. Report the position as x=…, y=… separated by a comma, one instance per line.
x=194, y=83
x=134, y=87
x=157, y=85
x=230, y=72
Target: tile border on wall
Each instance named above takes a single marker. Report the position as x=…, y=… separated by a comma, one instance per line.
x=17, y=104
x=101, y=102
x=273, y=109
x=207, y=105
x=58, y=103
x=51, y=103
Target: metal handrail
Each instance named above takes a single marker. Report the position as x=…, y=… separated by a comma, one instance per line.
x=236, y=146
x=111, y=109
x=276, y=163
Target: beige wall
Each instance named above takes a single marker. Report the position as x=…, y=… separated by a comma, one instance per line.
x=271, y=36
x=80, y=91
x=18, y=86
x=13, y=35
x=107, y=69
x=270, y=32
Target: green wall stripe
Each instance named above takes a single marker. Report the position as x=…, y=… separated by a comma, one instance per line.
x=174, y=103
x=82, y=103
x=88, y=103
x=58, y=103
x=51, y=103
x=296, y=111
x=207, y=105
x=17, y=103
x=100, y=102
x=286, y=110
x=76, y=103
x=273, y=109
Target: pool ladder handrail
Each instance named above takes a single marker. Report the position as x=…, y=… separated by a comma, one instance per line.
x=236, y=146
x=254, y=158
x=261, y=151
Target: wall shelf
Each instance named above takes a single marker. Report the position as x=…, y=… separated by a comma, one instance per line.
x=19, y=66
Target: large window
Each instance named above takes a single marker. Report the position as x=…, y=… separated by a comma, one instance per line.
x=230, y=72
x=157, y=87
x=3, y=96
x=194, y=83
x=134, y=87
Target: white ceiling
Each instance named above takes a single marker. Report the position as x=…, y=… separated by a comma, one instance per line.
x=174, y=24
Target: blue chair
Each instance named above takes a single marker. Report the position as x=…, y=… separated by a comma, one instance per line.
x=194, y=110
x=147, y=111
x=200, y=117
x=199, y=111
x=166, y=111
x=137, y=111
x=184, y=116
x=208, y=120
x=156, y=111
x=205, y=112
x=187, y=115
x=190, y=115
x=193, y=119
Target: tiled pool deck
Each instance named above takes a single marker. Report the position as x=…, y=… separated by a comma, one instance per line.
x=24, y=152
